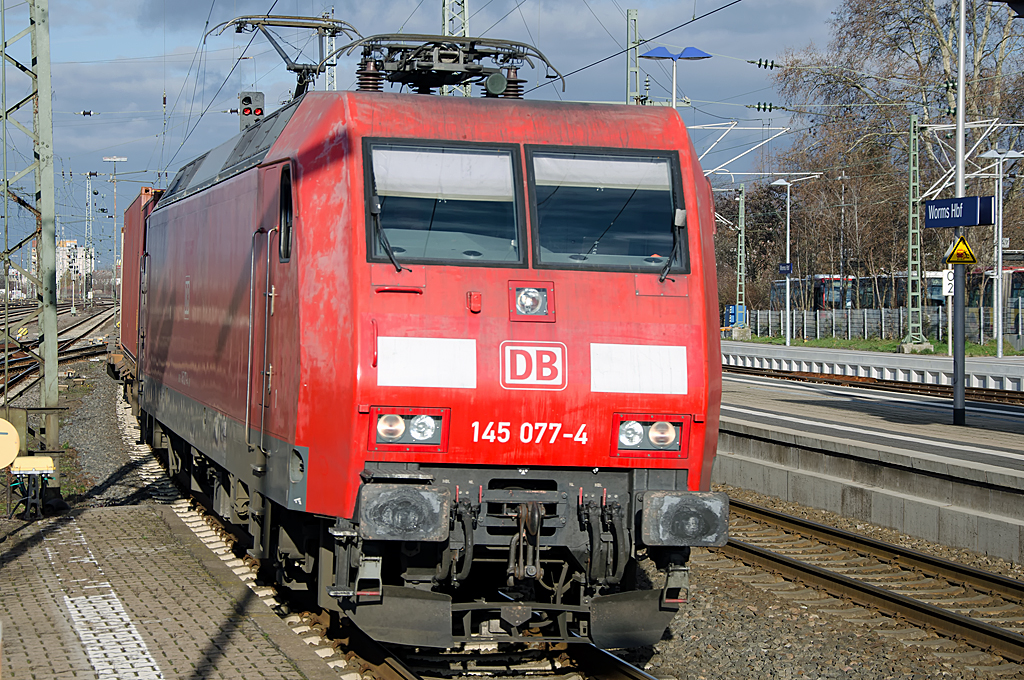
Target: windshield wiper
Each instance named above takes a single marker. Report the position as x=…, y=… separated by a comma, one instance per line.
x=382, y=238
x=678, y=224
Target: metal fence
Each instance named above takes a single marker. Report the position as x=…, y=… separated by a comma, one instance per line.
x=883, y=323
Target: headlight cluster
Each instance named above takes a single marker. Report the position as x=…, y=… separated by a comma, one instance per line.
x=408, y=429
x=651, y=433
x=659, y=434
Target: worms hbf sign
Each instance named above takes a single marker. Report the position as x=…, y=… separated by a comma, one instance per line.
x=967, y=211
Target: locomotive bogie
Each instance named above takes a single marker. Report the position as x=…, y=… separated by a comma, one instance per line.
x=464, y=377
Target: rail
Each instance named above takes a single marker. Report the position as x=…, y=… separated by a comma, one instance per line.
x=599, y=664
x=1001, y=641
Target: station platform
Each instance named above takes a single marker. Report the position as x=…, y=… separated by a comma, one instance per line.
x=1006, y=373
x=889, y=458
x=131, y=592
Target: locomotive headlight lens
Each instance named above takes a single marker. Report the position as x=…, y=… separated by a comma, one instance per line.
x=532, y=301
x=390, y=427
x=422, y=428
x=662, y=433
x=630, y=433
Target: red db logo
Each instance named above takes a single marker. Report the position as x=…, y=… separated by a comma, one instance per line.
x=533, y=366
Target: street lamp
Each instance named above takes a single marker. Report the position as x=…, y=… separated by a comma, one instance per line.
x=997, y=280
x=117, y=233
x=789, y=263
x=690, y=53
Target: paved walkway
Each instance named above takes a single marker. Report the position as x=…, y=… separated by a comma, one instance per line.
x=129, y=592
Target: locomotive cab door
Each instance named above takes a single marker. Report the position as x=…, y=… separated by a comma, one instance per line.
x=273, y=364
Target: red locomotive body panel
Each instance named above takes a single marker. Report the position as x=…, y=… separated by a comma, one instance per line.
x=345, y=302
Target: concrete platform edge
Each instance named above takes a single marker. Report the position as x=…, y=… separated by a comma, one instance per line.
x=977, y=514
x=270, y=624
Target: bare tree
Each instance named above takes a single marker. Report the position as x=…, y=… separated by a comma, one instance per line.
x=886, y=60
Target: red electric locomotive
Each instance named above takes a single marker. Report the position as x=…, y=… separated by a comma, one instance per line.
x=451, y=363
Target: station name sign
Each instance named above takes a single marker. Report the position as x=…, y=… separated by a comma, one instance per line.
x=968, y=211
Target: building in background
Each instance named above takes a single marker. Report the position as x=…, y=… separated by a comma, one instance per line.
x=74, y=270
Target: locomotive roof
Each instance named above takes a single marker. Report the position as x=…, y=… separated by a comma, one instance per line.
x=632, y=126
x=243, y=151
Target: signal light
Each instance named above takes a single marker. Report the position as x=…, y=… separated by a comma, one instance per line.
x=250, y=110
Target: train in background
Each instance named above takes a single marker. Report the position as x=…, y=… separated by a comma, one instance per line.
x=826, y=291
x=449, y=366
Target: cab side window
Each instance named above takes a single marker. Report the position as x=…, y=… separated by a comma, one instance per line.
x=285, y=240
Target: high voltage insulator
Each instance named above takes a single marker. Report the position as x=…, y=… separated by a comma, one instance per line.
x=950, y=84
x=763, y=63
x=765, y=106
x=950, y=110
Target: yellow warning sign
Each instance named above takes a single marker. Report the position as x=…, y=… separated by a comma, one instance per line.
x=960, y=253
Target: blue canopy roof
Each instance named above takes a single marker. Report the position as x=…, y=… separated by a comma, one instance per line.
x=663, y=53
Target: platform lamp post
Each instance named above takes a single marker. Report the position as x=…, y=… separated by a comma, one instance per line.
x=789, y=262
x=997, y=280
x=689, y=53
x=117, y=233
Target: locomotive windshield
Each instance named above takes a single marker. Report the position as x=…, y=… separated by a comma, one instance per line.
x=443, y=204
x=606, y=211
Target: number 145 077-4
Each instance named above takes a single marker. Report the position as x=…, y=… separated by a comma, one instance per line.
x=529, y=433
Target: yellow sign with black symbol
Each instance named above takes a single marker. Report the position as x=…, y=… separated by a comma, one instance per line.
x=960, y=253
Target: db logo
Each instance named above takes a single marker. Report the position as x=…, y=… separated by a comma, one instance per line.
x=533, y=366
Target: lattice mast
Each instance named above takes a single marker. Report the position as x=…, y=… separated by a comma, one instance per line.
x=632, y=57
x=42, y=207
x=915, y=335
x=455, y=22
x=741, y=258
x=331, y=75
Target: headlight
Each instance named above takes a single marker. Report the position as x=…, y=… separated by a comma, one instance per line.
x=630, y=433
x=390, y=426
x=531, y=301
x=422, y=428
x=662, y=434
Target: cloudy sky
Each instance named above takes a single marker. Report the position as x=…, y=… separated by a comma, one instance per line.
x=117, y=58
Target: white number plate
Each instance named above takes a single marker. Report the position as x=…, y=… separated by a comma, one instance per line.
x=528, y=433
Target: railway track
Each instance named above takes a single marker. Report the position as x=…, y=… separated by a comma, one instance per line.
x=942, y=391
x=346, y=648
x=23, y=367
x=953, y=600
x=907, y=593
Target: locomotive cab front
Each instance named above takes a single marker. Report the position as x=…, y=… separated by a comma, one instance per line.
x=533, y=404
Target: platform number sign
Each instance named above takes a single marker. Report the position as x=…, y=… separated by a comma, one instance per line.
x=947, y=282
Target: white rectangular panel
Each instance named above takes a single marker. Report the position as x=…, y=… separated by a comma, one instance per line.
x=610, y=172
x=426, y=362
x=638, y=369
x=459, y=174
